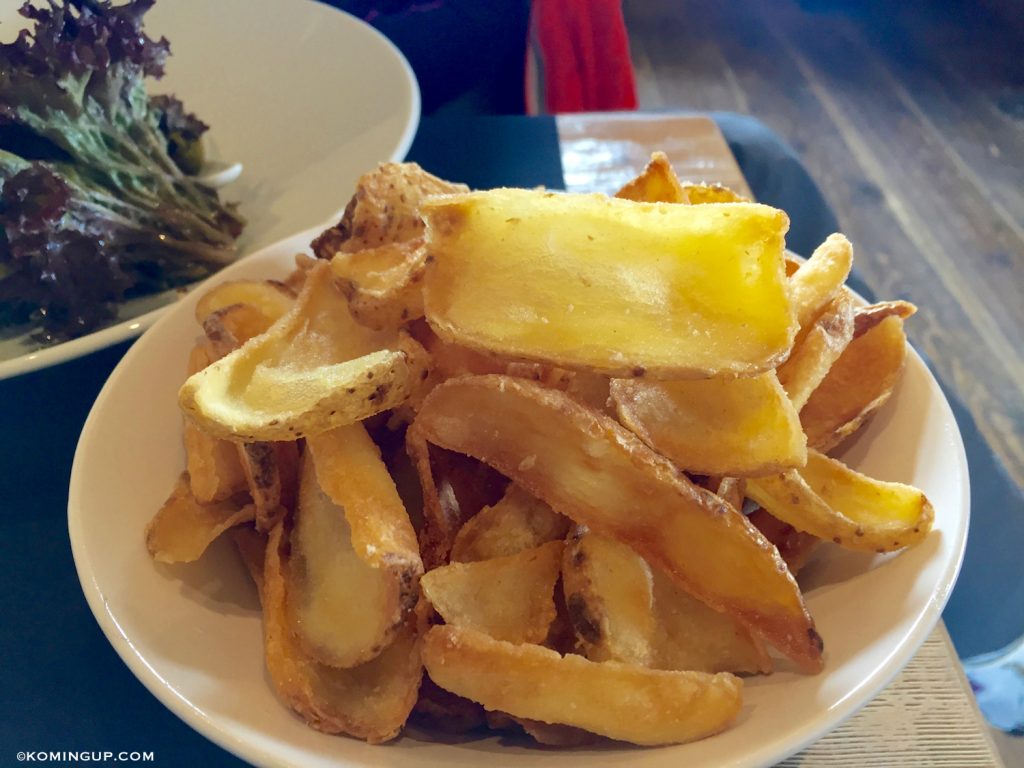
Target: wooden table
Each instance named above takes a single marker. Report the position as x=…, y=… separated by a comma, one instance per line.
x=928, y=715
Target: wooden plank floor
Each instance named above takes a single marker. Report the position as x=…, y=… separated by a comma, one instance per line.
x=911, y=118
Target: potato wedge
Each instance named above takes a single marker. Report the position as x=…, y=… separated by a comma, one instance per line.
x=384, y=209
x=866, y=318
x=455, y=488
x=733, y=427
x=315, y=369
x=252, y=550
x=350, y=470
x=610, y=598
x=732, y=490
x=272, y=475
x=657, y=183
x=701, y=194
x=816, y=350
x=690, y=635
x=796, y=547
x=183, y=527
x=213, y=466
x=344, y=610
x=858, y=384
x=607, y=285
x=508, y=598
x=831, y=501
x=620, y=701
x=817, y=281
x=589, y=468
x=384, y=284
x=229, y=328
x=271, y=298
x=370, y=702
x=518, y=521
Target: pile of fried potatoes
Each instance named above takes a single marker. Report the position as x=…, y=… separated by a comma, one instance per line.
x=564, y=453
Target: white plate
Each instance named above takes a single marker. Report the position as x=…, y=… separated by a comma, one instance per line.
x=304, y=96
x=192, y=633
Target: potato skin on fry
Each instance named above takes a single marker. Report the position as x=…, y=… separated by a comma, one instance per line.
x=620, y=701
x=587, y=467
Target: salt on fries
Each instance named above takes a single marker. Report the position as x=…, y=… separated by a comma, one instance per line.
x=508, y=438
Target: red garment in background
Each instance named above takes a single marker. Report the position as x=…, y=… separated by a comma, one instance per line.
x=580, y=52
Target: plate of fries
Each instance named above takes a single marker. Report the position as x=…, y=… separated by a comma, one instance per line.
x=521, y=476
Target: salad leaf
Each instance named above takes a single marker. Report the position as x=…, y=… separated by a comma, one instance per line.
x=95, y=206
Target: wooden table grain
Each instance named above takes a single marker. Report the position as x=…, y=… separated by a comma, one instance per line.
x=928, y=715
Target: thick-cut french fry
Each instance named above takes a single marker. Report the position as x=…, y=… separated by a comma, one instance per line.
x=587, y=467
x=213, y=466
x=518, y=521
x=858, y=384
x=620, y=701
x=796, y=547
x=455, y=488
x=384, y=209
x=351, y=472
x=833, y=502
x=657, y=183
x=816, y=282
x=270, y=297
x=613, y=286
x=715, y=426
x=252, y=549
x=272, y=474
x=331, y=585
x=816, y=350
x=690, y=635
x=866, y=318
x=371, y=701
x=609, y=596
x=315, y=369
x=183, y=527
x=700, y=194
x=229, y=328
x=384, y=284
x=509, y=598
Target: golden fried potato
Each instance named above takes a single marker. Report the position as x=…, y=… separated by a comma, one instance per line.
x=690, y=635
x=589, y=468
x=620, y=701
x=610, y=598
x=384, y=209
x=657, y=183
x=370, y=702
x=384, y=285
x=816, y=350
x=701, y=194
x=518, y=521
x=272, y=475
x=831, y=501
x=214, y=468
x=508, y=598
x=866, y=318
x=732, y=490
x=816, y=282
x=315, y=369
x=857, y=385
x=183, y=527
x=270, y=297
x=715, y=426
x=607, y=285
x=796, y=547
x=346, y=604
